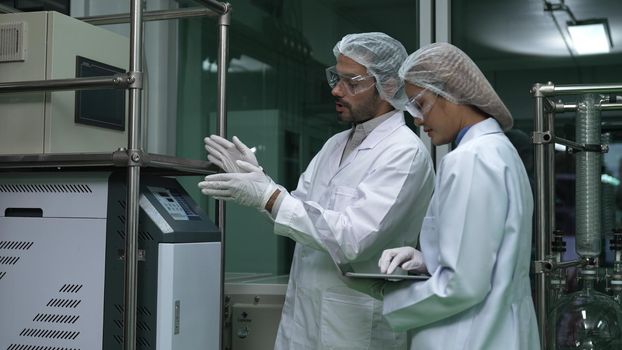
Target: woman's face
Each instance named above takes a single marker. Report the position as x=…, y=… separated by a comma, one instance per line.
x=437, y=116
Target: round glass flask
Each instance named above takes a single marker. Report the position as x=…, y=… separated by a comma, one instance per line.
x=586, y=319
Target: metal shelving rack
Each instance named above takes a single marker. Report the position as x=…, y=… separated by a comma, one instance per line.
x=544, y=140
x=133, y=157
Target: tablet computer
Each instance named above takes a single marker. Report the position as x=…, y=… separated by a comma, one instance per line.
x=397, y=275
x=388, y=277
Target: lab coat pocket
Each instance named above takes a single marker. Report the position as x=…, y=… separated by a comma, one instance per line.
x=346, y=321
x=342, y=197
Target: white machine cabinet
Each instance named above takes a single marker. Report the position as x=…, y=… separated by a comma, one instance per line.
x=49, y=45
x=253, y=306
x=61, y=264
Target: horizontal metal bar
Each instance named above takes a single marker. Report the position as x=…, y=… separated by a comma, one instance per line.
x=565, y=107
x=20, y=161
x=159, y=15
x=571, y=107
x=551, y=89
x=584, y=89
x=569, y=143
x=220, y=7
x=117, y=81
x=566, y=264
x=117, y=159
x=610, y=106
x=578, y=147
x=552, y=265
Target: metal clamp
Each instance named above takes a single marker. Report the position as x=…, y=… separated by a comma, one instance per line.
x=135, y=80
x=541, y=90
x=539, y=138
x=141, y=255
x=542, y=266
x=135, y=157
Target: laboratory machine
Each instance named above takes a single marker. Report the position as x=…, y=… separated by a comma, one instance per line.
x=579, y=256
x=252, y=310
x=40, y=46
x=62, y=241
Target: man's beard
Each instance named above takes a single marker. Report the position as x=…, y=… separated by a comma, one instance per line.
x=361, y=113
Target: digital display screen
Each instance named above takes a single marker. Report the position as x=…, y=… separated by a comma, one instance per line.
x=103, y=108
x=174, y=203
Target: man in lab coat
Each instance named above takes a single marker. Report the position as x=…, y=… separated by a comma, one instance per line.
x=365, y=191
x=476, y=236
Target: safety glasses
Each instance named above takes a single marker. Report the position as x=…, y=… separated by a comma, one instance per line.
x=418, y=106
x=352, y=84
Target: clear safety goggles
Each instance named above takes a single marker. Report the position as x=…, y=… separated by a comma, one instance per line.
x=352, y=84
x=416, y=106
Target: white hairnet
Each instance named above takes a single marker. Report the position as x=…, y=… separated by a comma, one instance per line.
x=447, y=71
x=382, y=56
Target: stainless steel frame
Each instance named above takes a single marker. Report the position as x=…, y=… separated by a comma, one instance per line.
x=159, y=15
x=223, y=63
x=544, y=143
x=119, y=81
x=157, y=163
x=571, y=107
x=133, y=157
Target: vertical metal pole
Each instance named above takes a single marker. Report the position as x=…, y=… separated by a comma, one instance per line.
x=426, y=36
x=550, y=181
x=223, y=53
x=133, y=178
x=547, y=234
x=540, y=212
x=442, y=33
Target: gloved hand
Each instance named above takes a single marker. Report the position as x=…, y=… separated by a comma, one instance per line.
x=224, y=153
x=374, y=287
x=409, y=258
x=251, y=187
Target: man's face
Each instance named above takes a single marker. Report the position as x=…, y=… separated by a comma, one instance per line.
x=361, y=106
x=439, y=119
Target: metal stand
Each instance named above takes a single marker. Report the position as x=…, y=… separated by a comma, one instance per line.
x=133, y=157
x=544, y=140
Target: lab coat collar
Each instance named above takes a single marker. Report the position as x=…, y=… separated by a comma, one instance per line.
x=487, y=126
x=369, y=126
x=378, y=134
x=383, y=130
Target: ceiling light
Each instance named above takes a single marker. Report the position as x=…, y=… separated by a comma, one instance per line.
x=590, y=36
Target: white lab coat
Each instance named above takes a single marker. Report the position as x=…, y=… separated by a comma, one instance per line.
x=476, y=243
x=374, y=200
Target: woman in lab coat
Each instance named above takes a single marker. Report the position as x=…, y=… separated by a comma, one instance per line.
x=476, y=236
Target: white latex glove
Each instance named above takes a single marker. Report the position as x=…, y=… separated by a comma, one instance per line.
x=251, y=187
x=408, y=258
x=224, y=153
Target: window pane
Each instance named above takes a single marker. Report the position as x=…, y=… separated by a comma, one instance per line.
x=279, y=100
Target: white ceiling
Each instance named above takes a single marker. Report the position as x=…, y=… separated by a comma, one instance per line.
x=493, y=30
x=523, y=27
